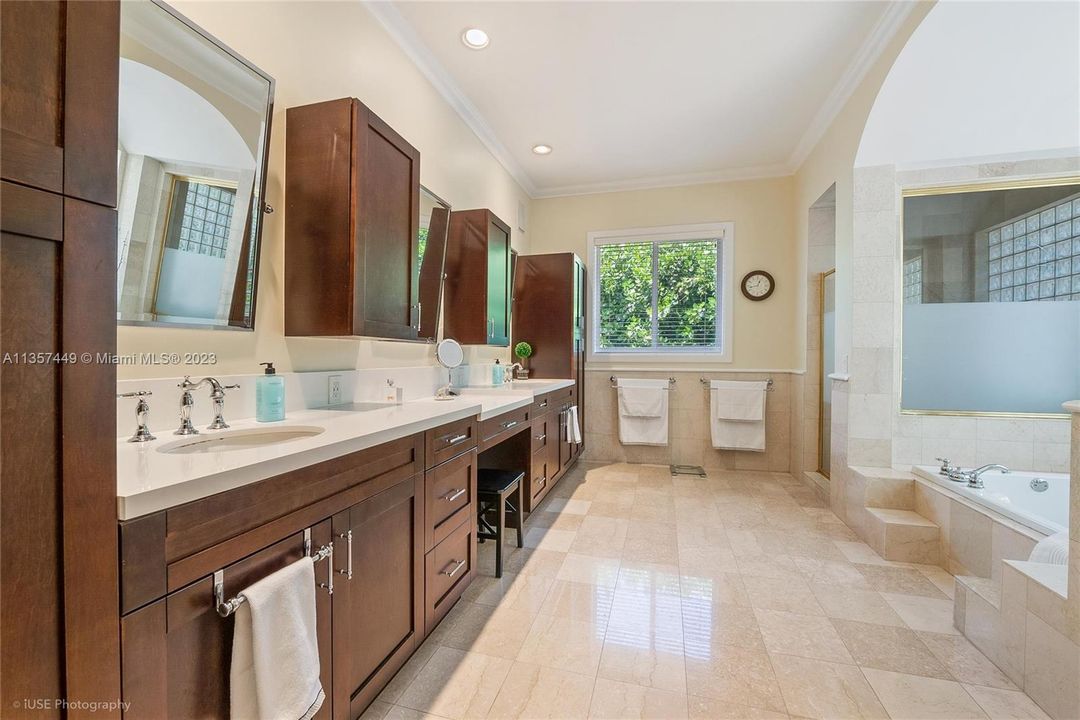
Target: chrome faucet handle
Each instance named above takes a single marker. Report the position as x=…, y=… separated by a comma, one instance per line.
x=946, y=466
x=186, y=403
x=142, y=415
x=217, y=397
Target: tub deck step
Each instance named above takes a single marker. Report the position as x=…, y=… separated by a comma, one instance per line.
x=904, y=536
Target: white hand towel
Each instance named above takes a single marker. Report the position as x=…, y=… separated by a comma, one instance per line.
x=737, y=415
x=643, y=412
x=642, y=398
x=573, y=425
x=275, y=654
x=737, y=400
x=1053, y=550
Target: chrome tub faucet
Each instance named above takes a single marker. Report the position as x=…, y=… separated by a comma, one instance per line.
x=974, y=477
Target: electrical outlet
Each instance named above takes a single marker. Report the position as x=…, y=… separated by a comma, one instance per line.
x=333, y=390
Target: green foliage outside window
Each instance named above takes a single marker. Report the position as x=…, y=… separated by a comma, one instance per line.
x=685, y=283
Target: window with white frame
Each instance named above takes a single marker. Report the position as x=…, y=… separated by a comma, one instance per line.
x=662, y=292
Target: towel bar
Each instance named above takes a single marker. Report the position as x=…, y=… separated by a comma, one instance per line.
x=768, y=383
x=225, y=608
x=615, y=381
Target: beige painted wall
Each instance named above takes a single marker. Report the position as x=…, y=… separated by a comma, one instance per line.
x=321, y=51
x=765, y=332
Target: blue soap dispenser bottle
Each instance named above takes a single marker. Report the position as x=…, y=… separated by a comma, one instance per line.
x=269, y=395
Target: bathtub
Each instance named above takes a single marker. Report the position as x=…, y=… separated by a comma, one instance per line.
x=1013, y=495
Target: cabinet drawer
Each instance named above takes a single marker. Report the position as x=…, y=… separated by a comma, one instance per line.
x=540, y=480
x=449, y=569
x=542, y=404
x=449, y=440
x=451, y=495
x=563, y=396
x=495, y=430
x=544, y=432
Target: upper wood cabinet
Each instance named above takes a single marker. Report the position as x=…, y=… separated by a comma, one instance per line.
x=352, y=191
x=477, y=290
x=61, y=72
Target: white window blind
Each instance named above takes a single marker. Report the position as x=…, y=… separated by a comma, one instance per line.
x=658, y=295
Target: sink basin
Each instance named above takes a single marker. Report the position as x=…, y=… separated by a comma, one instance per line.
x=247, y=439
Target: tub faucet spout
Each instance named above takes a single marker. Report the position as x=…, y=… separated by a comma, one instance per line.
x=974, y=477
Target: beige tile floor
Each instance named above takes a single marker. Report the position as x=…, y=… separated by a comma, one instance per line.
x=639, y=595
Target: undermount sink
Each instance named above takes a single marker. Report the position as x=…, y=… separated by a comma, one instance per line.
x=247, y=439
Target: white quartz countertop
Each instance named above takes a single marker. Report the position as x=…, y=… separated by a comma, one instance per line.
x=148, y=480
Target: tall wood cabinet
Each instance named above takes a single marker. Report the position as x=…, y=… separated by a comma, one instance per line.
x=477, y=290
x=352, y=220
x=550, y=292
x=59, y=66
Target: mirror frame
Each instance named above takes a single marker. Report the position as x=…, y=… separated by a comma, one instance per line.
x=434, y=339
x=989, y=185
x=267, y=209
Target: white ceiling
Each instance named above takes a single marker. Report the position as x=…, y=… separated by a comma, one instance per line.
x=645, y=94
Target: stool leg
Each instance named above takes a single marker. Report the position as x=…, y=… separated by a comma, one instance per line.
x=499, y=530
x=521, y=514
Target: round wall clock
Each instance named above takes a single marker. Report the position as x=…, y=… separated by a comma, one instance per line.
x=758, y=285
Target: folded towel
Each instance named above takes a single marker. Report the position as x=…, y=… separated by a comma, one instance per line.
x=275, y=654
x=736, y=400
x=737, y=415
x=573, y=425
x=643, y=411
x=642, y=398
x=1053, y=549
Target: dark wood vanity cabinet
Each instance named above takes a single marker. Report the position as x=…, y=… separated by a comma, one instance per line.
x=477, y=289
x=550, y=293
x=59, y=67
x=352, y=192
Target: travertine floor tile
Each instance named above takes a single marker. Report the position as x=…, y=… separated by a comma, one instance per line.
x=910, y=697
x=456, y=684
x=734, y=675
x=589, y=570
x=581, y=602
x=818, y=689
x=889, y=648
x=1006, y=704
x=848, y=603
x=517, y=592
x=564, y=644
x=964, y=661
x=802, y=635
x=900, y=580
x=923, y=613
x=613, y=700
x=789, y=594
x=534, y=691
x=702, y=708
x=549, y=539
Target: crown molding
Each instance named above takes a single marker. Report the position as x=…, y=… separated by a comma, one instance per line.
x=756, y=172
x=894, y=15
x=868, y=53
x=407, y=39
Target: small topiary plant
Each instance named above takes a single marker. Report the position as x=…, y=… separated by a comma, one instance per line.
x=523, y=351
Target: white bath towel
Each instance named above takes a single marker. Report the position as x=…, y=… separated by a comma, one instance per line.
x=737, y=415
x=573, y=425
x=643, y=411
x=275, y=654
x=1053, y=550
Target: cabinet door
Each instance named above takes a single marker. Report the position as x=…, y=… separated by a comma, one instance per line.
x=388, y=229
x=498, y=280
x=177, y=651
x=61, y=75
x=378, y=612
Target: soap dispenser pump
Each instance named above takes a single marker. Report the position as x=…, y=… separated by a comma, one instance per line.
x=269, y=395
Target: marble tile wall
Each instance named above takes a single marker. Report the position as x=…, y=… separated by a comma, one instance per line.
x=1020, y=443
x=689, y=442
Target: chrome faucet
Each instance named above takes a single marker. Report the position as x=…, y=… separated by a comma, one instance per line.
x=142, y=415
x=217, y=396
x=512, y=371
x=974, y=477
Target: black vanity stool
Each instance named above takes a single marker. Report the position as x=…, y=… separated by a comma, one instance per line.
x=499, y=493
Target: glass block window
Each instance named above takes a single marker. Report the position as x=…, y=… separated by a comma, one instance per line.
x=200, y=216
x=1037, y=256
x=913, y=280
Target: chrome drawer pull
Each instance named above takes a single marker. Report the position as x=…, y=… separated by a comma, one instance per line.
x=544, y=404
x=453, y=495
x=451, y=573
x=509, y=424
x=541, y=438
x=456, y=439
x=347, y=536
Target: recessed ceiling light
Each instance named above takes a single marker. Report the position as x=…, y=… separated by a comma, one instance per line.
x=475, y=38
x=542, y=149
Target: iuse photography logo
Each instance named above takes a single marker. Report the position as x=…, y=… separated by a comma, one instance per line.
x=65, y=704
